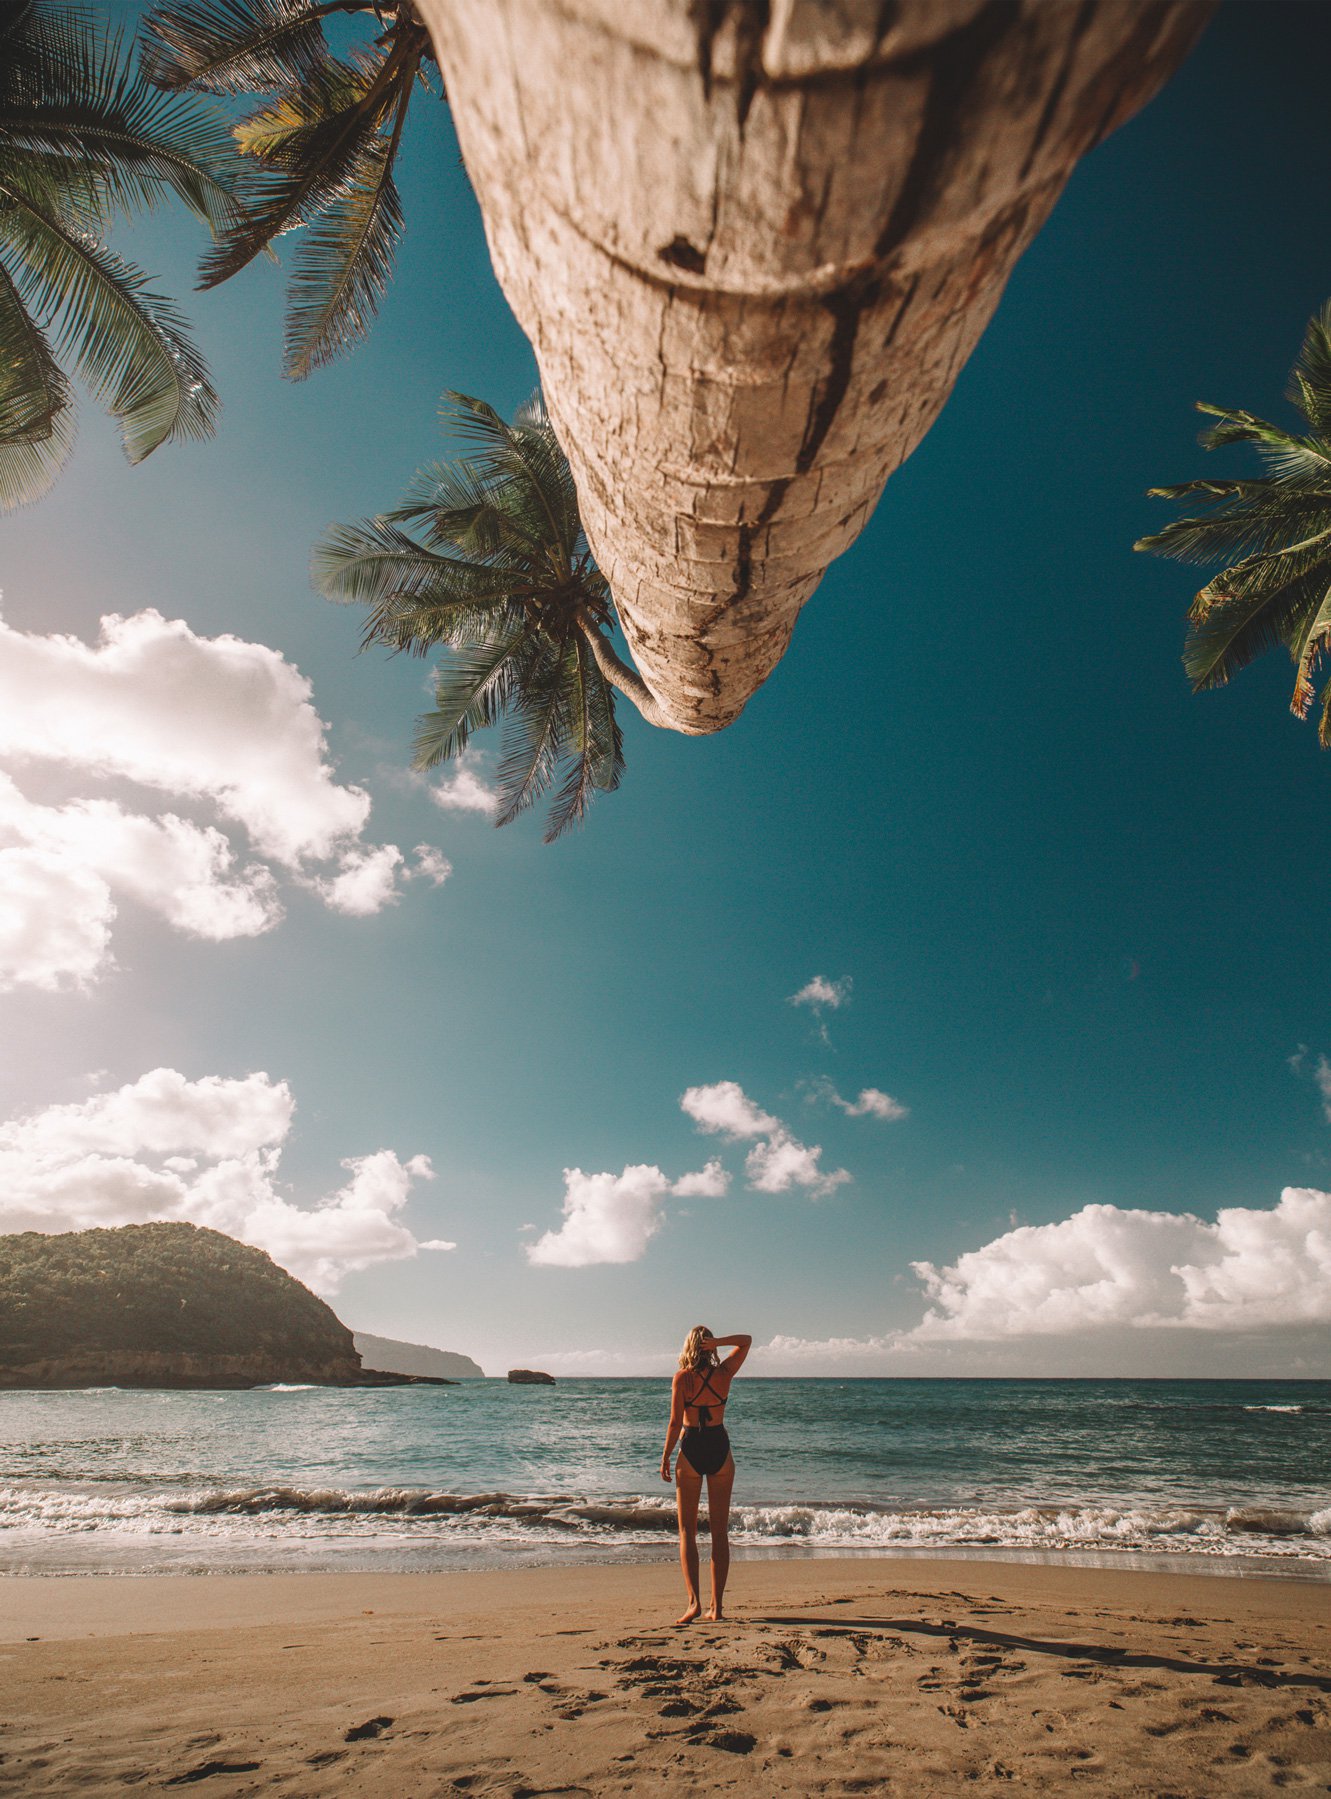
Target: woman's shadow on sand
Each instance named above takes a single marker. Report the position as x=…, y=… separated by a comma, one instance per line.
x=1224, y=1673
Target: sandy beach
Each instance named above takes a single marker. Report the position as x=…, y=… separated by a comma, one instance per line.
x=830, y=1677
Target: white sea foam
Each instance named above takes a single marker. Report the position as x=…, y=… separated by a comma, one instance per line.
x=394, y=1515
x=1273, y=1408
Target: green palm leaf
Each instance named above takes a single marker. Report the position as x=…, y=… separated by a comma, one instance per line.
x=234, y=46
x=81, y=138
x=471, y=692
x=1273, y=537
x=36, y=405
x=504, y=585
x=129, y=343
x=1310, y=383
x=342, y=266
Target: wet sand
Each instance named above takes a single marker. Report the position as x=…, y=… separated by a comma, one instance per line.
x=830, y=1677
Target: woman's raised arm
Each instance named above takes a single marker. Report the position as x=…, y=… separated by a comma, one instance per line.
x=739, y=1347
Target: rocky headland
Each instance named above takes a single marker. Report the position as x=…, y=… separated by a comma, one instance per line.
x=166, y=1305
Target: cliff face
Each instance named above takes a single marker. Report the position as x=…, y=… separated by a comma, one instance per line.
x=753, y=243
x=173, y=1368
x=414, y=1358
x=169, y=1305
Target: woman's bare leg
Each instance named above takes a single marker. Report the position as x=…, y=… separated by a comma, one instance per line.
x=688, y=1491
x=718, y=1517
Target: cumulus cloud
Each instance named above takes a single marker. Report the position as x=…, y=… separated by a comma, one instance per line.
x=820, y=994
x=464, y=789
x=775, y=1165
x=872, y=1103
x=1322, y=1075
x=1107, y=1267
x=711, y=1182
x=366, y=882
x=431, y=865
x=55, y=921
x=213, y=722
x=607, y=1218
x=208, y=1152
x=724, y=1109
x=783, y=1162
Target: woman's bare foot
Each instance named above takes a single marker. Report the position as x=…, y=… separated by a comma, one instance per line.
x=690, y=1614
x=713, y=1615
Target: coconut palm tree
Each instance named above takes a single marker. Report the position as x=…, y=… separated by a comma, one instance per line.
x=82, y=138
x=319, y=151
x=486, y=560
x=1274, y=534
x=753, y=246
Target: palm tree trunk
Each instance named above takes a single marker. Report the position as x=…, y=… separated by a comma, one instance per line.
x=621, y=677
x=753, y=242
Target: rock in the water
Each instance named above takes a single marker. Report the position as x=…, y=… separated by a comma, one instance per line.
x=530, y=1377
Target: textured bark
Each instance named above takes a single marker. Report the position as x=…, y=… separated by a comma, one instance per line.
x=753, y=242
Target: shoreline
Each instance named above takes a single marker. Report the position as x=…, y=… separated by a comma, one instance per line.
x=862, y=1674
x=1294, y=1570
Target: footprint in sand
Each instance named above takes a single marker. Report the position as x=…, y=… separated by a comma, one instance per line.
x=372, y=1727
x=206, y=1771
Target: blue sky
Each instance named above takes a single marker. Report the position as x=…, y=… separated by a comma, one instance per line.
x=1080, y=911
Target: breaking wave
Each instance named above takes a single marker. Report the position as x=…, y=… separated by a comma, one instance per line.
x=461, y=1521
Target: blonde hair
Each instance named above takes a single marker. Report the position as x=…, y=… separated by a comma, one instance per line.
x=693, y=1355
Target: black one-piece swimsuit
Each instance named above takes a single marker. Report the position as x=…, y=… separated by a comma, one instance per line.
x=706, y=1445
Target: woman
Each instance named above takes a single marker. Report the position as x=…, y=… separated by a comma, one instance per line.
x=697, y=1400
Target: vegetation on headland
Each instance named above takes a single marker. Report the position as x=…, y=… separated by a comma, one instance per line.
x=83, y=139
x=171, y=1289
x=1274, y=535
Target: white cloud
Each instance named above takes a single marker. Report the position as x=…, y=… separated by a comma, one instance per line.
x=725, y=1109
x=208, y=1152
x=1322, y=1075
x=464, y=789
x=711, y=1182
x=872, y=1103
x=431, y=865
x=216, y=722
x=783, y=1162
x=366, y=882
x=837, y=1350
x=772, y=1166
x=1106, y=1267
x=55, y=921
x=607, y=1218
x=820, y=993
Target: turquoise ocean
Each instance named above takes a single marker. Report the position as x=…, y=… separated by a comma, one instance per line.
x=1230, y=1476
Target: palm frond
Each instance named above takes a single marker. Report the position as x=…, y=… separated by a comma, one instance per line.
x=296, y=189
x=505, y=584
x=234, y=46
x=130, y=344
x=1243, y=529
x=594, y=744
x=371, y=561
x=1241, y=627
x=527, y=457
x=343, y=264
x=471, y=691
x=134, y=143
x=1310, y=381
x=1308, y=647
x=536, y=730
x=36, y=405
